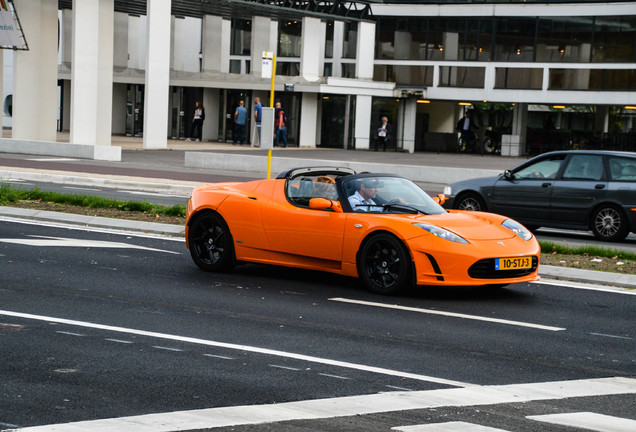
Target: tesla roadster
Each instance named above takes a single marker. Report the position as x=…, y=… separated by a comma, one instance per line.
x=381, y=228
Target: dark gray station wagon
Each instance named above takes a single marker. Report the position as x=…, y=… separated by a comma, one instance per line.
x=583, y=190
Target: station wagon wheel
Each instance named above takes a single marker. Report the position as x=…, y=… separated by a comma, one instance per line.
x=609, y=223
x=470, y=201
x=211, y=244
x=384, y=264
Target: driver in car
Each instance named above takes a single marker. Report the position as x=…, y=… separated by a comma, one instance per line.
x=363, y=199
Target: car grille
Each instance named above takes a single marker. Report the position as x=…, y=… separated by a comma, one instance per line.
x=485, y=269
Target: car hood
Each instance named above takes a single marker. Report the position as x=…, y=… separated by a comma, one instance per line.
x=470, y=225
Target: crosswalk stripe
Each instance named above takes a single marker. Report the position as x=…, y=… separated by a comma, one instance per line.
x=448, y=427
x=587, y=420
x=350, y=406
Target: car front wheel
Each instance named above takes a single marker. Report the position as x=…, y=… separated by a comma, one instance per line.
x=384, y=265
x=609, y=224
x=211, y=244
x=470, y=201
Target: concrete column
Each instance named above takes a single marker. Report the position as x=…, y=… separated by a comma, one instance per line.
x=338, y=40
x=92, y=72
x=67, y=36
x=308, y=120
x=312, y=55
x=35, y=74
x=120, y=42
x=156, y=92
x=365, y=50
x=514, y=145
x=211, y=101
x=186, y=41
x=408, y=119
x=217, y=33
x=362, y=122
x=264, y=38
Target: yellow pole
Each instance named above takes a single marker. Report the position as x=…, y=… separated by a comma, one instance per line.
x=271, y=105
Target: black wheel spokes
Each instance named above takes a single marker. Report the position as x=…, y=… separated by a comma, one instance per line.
x=209, y=241
x=383, y=265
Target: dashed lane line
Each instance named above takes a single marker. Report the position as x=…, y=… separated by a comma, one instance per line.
x=246, y=348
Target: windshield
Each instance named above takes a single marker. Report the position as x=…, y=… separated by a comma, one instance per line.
x=387, y=194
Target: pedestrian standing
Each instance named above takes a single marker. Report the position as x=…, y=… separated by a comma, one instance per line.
x=240, y=117
x=383, y=134
x=197, y=122
x=258, y=117
x=280, y=125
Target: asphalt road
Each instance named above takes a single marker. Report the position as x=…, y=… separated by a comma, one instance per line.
x=101, y=325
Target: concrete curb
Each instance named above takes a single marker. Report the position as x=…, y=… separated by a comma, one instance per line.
x=565, y=273
x=99, y=180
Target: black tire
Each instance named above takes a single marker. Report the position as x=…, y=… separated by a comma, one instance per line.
x=470, y=201
x=211, y=244
x=609, y=223
x=384, y=265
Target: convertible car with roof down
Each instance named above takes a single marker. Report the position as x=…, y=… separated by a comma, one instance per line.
x=381, y=228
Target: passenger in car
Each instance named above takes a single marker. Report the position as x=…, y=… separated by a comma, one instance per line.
x=324, y=187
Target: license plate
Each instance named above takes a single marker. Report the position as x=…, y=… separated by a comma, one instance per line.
x=513, y=263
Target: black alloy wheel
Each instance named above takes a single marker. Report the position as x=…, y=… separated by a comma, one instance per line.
x=609, y=224
x=211, y=244
x=384, y=265
x=470, y=201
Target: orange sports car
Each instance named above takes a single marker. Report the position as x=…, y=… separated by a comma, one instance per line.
x=381, y=228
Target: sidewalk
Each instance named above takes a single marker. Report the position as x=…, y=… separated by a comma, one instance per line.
x=165, y=171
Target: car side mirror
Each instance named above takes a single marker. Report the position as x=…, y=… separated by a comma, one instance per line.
x=440, y=199
x=324, y=204
x=507, y=175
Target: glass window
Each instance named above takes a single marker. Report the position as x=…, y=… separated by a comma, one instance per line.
x=329, y=40
x=476, y=40
x=614, y=39
x=241, y=41
x=584, y=167
x=514, y=40
x=622, y=169
x=289, y=38
x=543, y=169
x=564, y=39
x=350, y=40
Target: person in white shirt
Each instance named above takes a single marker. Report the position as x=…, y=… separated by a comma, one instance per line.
x=197, y=122
x=363, y=199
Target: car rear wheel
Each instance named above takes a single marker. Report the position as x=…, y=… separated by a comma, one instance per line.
x=211, y=244
x=470, y=201
x=609, y=223
x=384, y=265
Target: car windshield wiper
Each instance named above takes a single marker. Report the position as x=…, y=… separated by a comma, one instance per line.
x=400, y=206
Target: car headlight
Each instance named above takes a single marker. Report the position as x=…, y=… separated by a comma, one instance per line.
x=517, y=228
x=441, y=233
x=448, y=191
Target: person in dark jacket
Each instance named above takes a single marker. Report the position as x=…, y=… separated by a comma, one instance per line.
x=383, y=134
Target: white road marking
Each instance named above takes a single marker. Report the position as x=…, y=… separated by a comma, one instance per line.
x=119, y=341
x=285, y=367
x=44, y=241
x=334, y=376
x=588, y=420
x=585, y=286
x=398, y=388
x=257, y=350
x=611, y=336
x=81, y=188
x=167, y=348
x=152, y=194
x=70, y=334
x=350, y=406
x=128, y=234
x=456, y=426
x=220, y=357
x=449, y=314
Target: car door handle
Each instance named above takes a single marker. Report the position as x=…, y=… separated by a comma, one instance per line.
x=546, y=185
x=599, y=186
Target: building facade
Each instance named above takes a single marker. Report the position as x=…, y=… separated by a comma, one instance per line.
x=538, y=75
